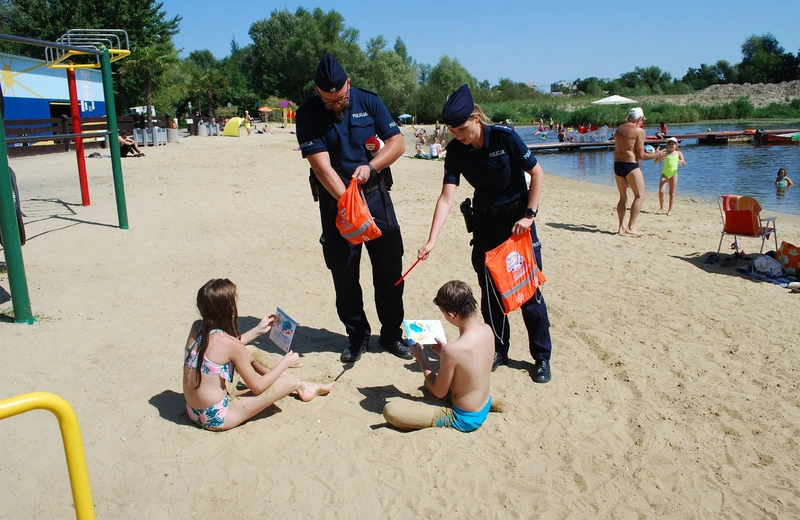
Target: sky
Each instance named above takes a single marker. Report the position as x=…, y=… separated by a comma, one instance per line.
x=525, y=41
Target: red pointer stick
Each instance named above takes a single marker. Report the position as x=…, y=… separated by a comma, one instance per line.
x=409, y=270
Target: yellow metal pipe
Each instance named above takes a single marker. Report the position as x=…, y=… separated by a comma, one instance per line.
x=70, y=434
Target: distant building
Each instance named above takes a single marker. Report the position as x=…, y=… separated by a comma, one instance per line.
x=531, y=84
x=566, y=87
x=33, y=91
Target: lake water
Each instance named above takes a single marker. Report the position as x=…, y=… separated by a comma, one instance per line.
x=711, y=171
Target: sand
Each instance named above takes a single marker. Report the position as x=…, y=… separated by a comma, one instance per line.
x=674, y=390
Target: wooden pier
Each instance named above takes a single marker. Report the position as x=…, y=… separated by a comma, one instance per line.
x=735, y=136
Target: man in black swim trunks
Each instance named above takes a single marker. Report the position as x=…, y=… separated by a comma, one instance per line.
x=629, y=150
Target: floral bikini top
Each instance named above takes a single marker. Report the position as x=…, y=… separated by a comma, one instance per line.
x=208, y=367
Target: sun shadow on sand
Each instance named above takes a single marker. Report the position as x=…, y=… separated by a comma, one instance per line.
x=376, y=397
x=724, y=264
x=172, y=407
x=307, y=339
x=586, y=228
x=521, y=365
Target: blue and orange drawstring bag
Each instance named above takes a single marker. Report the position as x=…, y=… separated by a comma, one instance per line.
x=353, y=220
x=512, y=267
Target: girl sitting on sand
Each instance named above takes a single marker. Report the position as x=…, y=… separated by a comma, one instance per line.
x=223, y=350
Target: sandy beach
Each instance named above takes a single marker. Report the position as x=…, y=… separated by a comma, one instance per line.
x=674, y=391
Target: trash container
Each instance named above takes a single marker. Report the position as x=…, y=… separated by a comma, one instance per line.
x=172, y=135
x=202, y=130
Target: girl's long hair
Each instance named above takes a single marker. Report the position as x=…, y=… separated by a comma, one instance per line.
x=216, y=301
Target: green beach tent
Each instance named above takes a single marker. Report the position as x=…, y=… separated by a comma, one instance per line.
x=232, y=127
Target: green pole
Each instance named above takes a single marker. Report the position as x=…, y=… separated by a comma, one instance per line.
x=12, y=247
x=111, y=116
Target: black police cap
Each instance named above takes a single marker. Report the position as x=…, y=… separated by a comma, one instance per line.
x=330, y=76
x=459, y=107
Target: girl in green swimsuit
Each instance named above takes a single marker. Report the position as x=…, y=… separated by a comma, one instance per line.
x=669, y=173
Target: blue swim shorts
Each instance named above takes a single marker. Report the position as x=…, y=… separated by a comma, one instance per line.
x=462, y=420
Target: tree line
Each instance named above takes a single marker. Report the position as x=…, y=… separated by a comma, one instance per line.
x=763, y=61
x=279, y=64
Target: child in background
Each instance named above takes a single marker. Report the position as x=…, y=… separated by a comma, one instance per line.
x=216, y=341
x=782, y=180
x=669, y=173
x=465, y=368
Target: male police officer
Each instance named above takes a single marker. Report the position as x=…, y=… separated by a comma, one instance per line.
x=332, y=128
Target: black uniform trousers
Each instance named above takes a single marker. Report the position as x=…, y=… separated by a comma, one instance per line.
x=344, y=261
x=489, y=231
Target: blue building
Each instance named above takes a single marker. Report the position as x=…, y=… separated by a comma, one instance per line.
x=34, y=91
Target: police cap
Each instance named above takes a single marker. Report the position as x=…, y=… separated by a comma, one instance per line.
x=330, y=76
x=459, y=107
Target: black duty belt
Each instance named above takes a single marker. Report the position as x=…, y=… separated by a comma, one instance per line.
x=512, y=208
x=373, y=187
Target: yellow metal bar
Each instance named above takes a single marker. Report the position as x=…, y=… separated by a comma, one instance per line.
x=70, y=434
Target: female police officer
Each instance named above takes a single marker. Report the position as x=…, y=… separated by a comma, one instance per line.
x=493, y=159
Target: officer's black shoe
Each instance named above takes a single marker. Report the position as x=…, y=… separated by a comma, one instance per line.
x=399, y=348
x=353, y=352
x=498, y=360
x=541, y=372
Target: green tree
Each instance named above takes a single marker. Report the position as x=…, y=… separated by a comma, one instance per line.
x=726, y=72
x=151, y=63
x=444, y=78
x=402, y=51
x=238, y=89
x=145, y=21
x=388, y=73
x=319, y=32
x=765, y=61
x=269, y=59
x=424, y=72
x=590, y=86
x=207, y=78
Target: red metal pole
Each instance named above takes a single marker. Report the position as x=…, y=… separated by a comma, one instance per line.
x=76, y=128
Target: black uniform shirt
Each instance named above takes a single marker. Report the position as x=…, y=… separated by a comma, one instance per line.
x=495, y=170
x=318, y=131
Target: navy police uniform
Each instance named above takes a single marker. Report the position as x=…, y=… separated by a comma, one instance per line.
x=318, y=130
x=496, y=171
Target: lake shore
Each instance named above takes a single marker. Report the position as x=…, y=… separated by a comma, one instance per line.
x=674, y=391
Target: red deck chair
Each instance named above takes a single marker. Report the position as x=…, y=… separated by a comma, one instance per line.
x=741, y=217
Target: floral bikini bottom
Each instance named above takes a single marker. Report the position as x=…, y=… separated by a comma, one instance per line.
x=211, y=418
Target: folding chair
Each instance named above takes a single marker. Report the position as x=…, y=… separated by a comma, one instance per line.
x=741, y=217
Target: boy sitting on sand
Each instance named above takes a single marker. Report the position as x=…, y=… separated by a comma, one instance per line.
x=464, y=369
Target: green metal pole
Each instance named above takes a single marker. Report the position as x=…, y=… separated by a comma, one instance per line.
x=113, y=142
x=12, y=247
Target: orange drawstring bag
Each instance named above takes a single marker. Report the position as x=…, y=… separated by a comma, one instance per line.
x=513, y=269
x=354, y=220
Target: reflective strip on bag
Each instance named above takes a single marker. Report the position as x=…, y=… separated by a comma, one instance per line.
x=358, y=231
x=520, y=285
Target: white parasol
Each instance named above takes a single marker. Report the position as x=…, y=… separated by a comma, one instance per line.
x=614, y=100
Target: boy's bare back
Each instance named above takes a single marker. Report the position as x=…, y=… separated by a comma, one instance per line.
x=472, y=354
